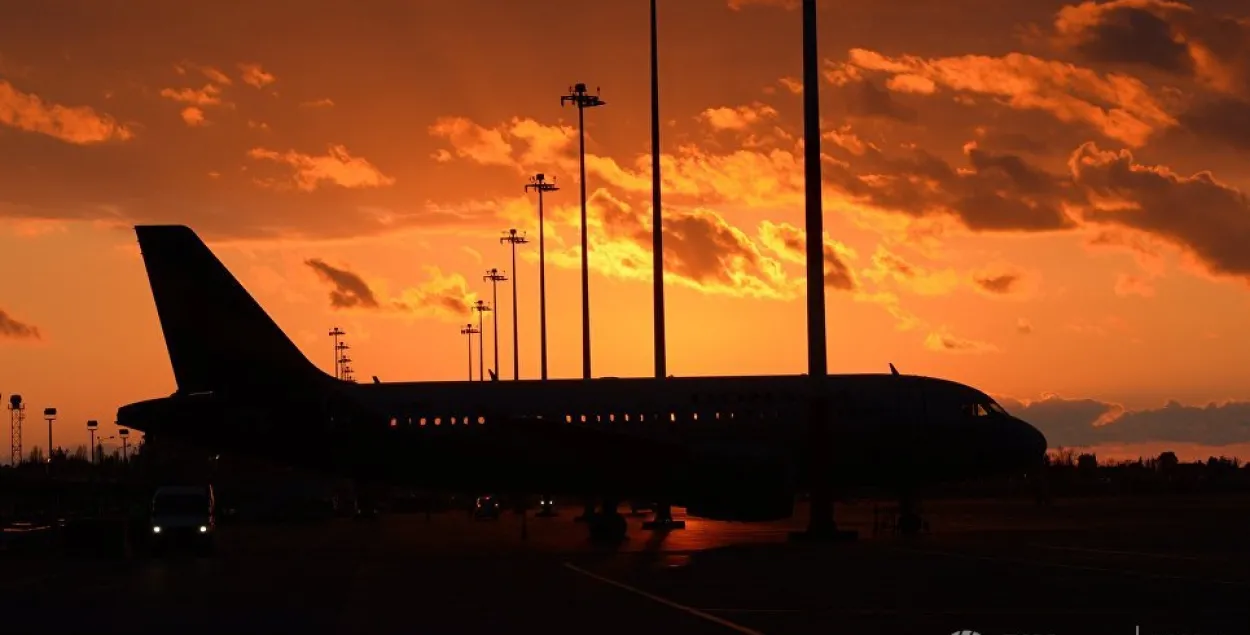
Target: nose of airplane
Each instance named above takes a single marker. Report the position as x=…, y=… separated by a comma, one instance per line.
x=1032, y=443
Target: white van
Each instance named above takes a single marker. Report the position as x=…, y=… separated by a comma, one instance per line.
x=184, y=515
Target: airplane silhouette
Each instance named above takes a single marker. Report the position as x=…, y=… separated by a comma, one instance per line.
x=729, y=448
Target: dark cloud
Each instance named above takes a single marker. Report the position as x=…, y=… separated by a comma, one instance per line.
x=350, y=290
x=16, y=330
x=1000, y=283
x=1000, y=192
x=440, y=295
x=1133, y=34
x=1202, y=44
x=1013, y=142
x=1198, y=213
x=867, y=99
x=1088, y=422
x=1226, y=119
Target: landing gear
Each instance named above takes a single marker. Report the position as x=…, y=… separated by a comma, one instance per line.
x=663, y=520
x=608, y=526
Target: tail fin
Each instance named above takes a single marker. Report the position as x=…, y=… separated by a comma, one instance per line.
x=219, y=338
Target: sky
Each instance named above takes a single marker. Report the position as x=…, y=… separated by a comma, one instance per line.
x=1045, y=200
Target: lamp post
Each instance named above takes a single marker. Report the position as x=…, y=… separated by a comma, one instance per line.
x=468, y=331
x=50, y=415
x=494, y=277
x=539, y=183
x=481, y=307
x=820, y=523
x=91, y=428
x=583, y=100
x=514, y=239
x=657, y=225
x=125, y=435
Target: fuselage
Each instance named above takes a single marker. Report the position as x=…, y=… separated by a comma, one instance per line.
x=885, y=430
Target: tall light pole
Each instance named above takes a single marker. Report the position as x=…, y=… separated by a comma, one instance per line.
x=539, y=183
x=125, y=434
x=468, y=330
x=515, y=239
x=336, y=333
x=583, y=100
x=481, y=307
x=494, y=277
x=50, y=415
x=91, y=428
x=820, y=518
x=657, y=225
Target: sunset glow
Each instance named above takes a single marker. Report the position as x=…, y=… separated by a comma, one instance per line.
x=1045, y=200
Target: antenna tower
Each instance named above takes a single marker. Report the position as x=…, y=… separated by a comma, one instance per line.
x=336, y=333
x=17, y=415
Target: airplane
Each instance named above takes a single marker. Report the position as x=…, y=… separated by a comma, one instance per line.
x=726, y=448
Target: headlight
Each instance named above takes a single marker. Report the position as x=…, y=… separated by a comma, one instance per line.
x=156, y=530
x=203, y=529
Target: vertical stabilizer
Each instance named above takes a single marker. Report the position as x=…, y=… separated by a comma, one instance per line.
x=219, y=338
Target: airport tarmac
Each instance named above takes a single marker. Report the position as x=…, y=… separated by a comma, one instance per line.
x=1100, y=566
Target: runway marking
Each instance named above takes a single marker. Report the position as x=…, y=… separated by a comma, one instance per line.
x=1115, y=552
x=1076, y=567
x=666, y=602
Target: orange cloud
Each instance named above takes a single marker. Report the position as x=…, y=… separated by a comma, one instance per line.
x=213, y=74
x=324, y=102
x=254, y=75
x=77, y=124
x=209, y=95
x=942, y=341
x=737, y=118
x=193, y=116
x=790, y=243
x=338, y=167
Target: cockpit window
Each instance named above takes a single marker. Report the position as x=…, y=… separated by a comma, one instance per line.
x=983, y=409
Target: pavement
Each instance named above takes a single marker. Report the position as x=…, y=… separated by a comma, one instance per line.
x=1102, y=566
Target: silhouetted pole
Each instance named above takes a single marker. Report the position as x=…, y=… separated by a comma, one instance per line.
x=481, y=307
x=494, y=277
x=469, y=331
x=820, y=519
x=336, y=332
x=515, y=239
x=538, y=182
x=50, y=415
x=125, y=434
x=583, y=100
x=91, y=427
x=657, y=231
